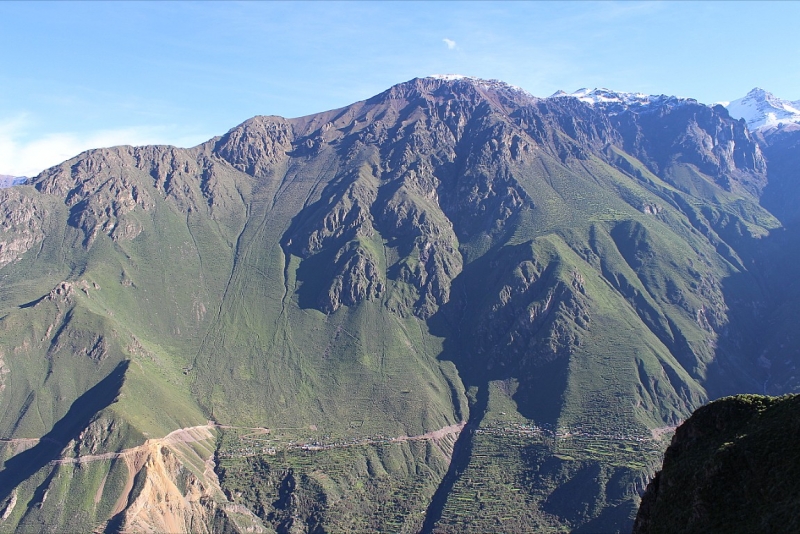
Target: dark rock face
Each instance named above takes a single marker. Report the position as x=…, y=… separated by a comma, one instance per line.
x=733, y=466
x=781, y=147
x=678, y=131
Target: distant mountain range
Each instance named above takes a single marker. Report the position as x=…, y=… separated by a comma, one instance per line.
x=7, y=180
x=451, y=307
x=759, y=108
x=614, y=100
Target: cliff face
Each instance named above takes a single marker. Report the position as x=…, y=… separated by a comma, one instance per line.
x=733, y=466
x=172, y=487
x=781, y=147
x=676, y=132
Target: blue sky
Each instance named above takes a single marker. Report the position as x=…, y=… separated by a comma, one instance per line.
x=77, y=75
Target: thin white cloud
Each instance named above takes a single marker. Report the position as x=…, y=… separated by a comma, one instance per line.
x=450, y=43
x=21, y=155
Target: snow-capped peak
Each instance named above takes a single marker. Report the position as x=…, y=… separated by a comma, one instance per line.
x=761, y=110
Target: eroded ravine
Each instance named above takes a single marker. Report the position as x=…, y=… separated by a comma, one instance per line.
x=462, y=453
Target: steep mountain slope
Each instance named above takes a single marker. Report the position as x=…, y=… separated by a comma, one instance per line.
x=457, y=305
x=732, y=467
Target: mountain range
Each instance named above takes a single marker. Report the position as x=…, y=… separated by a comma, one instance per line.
x=6, y=180
x=451, y=307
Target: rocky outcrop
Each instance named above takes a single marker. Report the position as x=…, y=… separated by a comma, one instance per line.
x=98, y=193
x=733, y=466
x=161, y=505
x=170, y=486
x=21, y=219
x=104, y=189
x=257, y=146
x=535, y=318
x=427, y=248
x=342, y=217
x=357, y=278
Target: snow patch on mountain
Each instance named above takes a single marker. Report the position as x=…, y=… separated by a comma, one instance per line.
x=762, y=110
x=604, y=96
x=450, y=77
x=614, y=102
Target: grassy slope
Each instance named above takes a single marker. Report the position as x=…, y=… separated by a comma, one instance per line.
x=197, y=308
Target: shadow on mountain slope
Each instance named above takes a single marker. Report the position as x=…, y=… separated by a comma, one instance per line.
x=758, y=353
x=460, y=323
x=447, y=322
x=25, y=464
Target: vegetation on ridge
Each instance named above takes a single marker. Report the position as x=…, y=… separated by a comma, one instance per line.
x=733, y=466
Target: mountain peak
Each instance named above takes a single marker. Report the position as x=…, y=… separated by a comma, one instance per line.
x=757, y=92
x=451, y=77
x=601, y=95
x=762, y=110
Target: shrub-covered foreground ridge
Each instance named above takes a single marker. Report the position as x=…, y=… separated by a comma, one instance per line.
x=733, y=466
